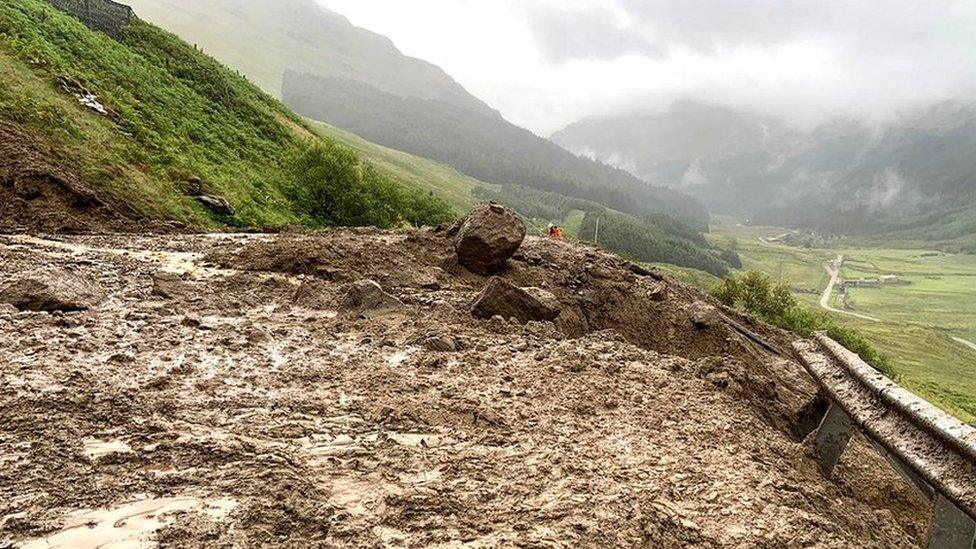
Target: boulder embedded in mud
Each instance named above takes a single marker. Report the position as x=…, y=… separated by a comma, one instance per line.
x=216, y=204
x=168, y=285
x=53, y=290
x=367, y=295
x=704, y=316
x=488, y=237
x=501, y=298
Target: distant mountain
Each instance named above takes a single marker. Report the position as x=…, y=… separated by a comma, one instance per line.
x=483, y=146
x=265, y=38
x=357, y=81
x=913, y=177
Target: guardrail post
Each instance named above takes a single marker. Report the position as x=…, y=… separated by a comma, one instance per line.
x=951, y=528
x=832, y=437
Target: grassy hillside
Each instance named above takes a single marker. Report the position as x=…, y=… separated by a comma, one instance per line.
x=173, y=114
x=456, y=188
x=484, y=146
x=264, y=38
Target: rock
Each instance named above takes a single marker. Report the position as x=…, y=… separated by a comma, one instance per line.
x=488, y=237
x=194, y=186
x=168, y=285
x=368, y=295
x=314, y=294
x=441, y=343
x=658, y=293
x=501, y=298
x=704, y=316
x=216, y=204
x=52, y=290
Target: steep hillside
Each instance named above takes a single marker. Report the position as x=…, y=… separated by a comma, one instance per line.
x=486, y=147
x=150, y=127
x=911, y=179
x=265, y=38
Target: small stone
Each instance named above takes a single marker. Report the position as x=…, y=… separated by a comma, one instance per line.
x=368, y=295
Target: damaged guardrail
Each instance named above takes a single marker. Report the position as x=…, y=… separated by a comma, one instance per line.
x=932, y=450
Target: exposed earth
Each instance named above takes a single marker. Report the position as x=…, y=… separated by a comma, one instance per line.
x=334, y=389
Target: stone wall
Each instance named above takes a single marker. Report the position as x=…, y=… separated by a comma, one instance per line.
x=100, y=15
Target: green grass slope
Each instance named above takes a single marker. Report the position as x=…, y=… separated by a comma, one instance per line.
x=177, y=113
x=264, y=38
x=456, y=188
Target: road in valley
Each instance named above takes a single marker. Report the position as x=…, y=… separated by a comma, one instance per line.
x=833, y=269
x=967, y=343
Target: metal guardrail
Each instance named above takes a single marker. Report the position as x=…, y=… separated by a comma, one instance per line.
x=932, y=450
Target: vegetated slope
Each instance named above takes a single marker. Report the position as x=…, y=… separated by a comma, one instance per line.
x=377, y=97
x=651, y=238
x=458, y=189
x=272, y=415
x=163, y=119
x=910, y=178
x=264, y=38
x=486, y=147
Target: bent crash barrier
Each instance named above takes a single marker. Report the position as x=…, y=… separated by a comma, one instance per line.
x=933, y=451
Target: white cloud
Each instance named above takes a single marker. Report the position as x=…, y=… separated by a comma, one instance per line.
x=545, y=63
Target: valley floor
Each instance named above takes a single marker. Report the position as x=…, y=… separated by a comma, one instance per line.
x=220, y=396
x=926, y=326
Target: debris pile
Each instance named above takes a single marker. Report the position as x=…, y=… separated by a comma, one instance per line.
x=363, y=388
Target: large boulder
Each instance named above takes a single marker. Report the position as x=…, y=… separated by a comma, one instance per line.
x=487, y=237
x=367, y=295
x=52, y=290
x=502, y=298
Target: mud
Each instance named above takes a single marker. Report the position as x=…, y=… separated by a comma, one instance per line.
x=246, y=409
x=40, y=190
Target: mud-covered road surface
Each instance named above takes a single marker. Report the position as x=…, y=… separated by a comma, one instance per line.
x=221, y=396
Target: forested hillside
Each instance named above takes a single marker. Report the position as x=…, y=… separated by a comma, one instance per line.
x=150, y=122
x=910, y=179
x=486, y=147
x=407, y=105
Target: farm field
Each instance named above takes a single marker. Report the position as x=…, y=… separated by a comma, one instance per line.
x=918, y=320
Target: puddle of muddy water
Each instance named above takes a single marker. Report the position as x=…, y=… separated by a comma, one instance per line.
x=130, y=526
x=94, y=448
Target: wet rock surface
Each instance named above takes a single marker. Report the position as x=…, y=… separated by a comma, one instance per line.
x=50, y=290
x=229, y=415
x=488, y=237
x=367, y=295
x=504, y=299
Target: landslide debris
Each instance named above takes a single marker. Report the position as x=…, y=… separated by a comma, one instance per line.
x=251, y=420
x=40, y=192
x=504, y=299
x=488, y=237
x=53, y=289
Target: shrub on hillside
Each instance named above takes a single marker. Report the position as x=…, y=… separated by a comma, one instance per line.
x=333, y=186
x=757, y=294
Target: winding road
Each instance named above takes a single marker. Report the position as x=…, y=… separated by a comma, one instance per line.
x=833, y=269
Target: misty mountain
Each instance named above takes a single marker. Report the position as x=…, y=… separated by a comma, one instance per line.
x=264, y=38
x=484, y=146
x=914, y=175
x=357, y=80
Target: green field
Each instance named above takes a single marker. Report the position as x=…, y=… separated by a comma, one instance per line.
x=918, y=321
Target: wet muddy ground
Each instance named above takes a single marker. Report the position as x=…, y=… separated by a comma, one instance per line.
x=219, y=396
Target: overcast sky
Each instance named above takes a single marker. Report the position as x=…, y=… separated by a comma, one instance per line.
x=546, y=63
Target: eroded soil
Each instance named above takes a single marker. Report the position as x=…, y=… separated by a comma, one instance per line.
x=235, y=405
